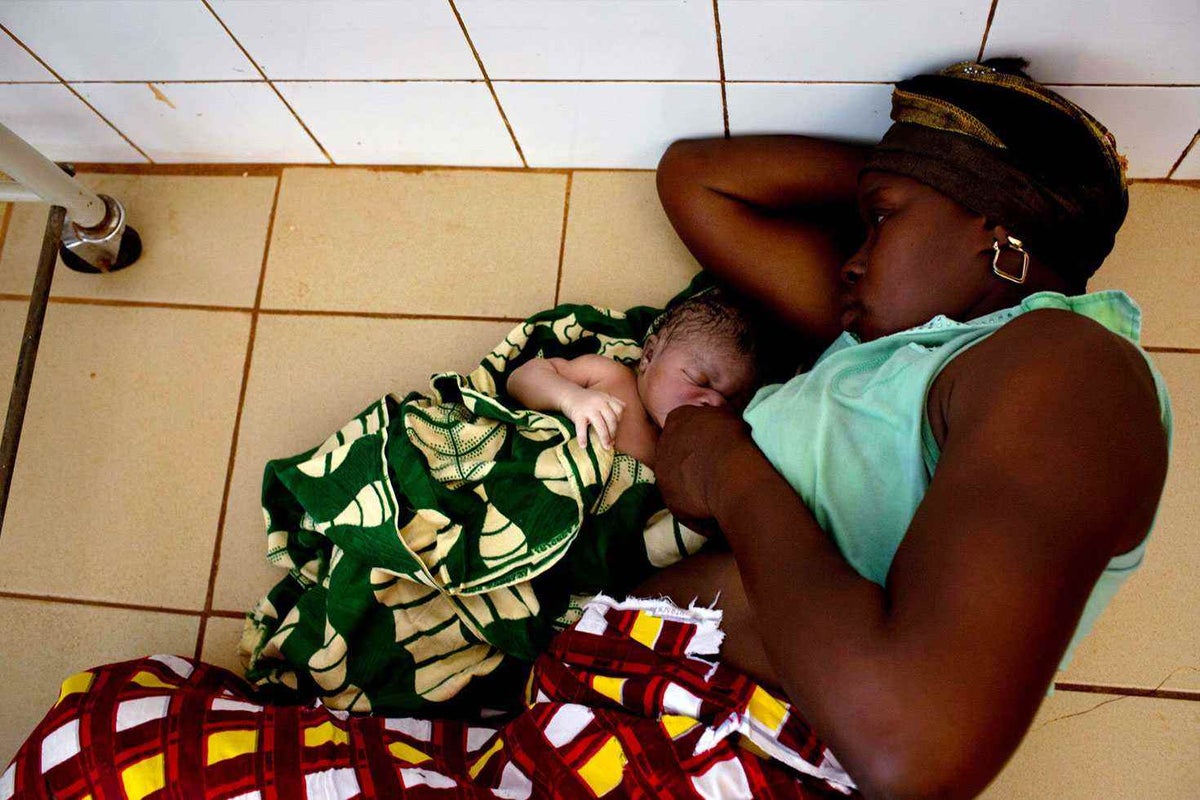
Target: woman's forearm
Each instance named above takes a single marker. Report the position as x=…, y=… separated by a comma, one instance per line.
x=771, y=172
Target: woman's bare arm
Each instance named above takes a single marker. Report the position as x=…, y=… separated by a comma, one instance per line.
x=1054, y=460
x=774, y=216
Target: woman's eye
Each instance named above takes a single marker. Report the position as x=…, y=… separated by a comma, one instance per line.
x=877, y=218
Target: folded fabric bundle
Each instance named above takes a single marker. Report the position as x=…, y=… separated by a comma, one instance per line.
x=436, y=542
x=624, y=704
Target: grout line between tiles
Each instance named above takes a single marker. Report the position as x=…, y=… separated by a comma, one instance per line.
x=295, y=312
x=102, y=301
x=79, y=96
x=504, y=117
x=721, y=67
x=1184, y=154
x=75, y=601
x=237, y=426
x=1187, y=350
x=562, y=243
x=987, y=29
x=270, y=83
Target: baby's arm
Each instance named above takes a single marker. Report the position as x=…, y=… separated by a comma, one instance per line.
x=559, y=384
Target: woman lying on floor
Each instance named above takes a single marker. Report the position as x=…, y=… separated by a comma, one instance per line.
x=920, y=539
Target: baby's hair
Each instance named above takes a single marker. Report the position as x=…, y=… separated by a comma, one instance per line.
x=714, y=314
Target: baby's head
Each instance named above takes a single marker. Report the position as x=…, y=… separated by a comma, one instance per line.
x=704, y=351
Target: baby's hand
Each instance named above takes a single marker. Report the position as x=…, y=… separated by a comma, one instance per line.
x=599, y=409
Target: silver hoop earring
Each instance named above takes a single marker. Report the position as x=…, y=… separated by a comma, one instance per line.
x=1013, y=243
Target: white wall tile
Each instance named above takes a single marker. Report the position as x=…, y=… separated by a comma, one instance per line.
x=846, y=111
x=847, y=40
x=347, y=39
x=17, y=65
x=135, y=40
x=1150, y=41
x=404, y=123
x=54, y=121
x=1152, y=125
x=607, y=124
x=202, y=122
x=1189, y=169
x=594, y=39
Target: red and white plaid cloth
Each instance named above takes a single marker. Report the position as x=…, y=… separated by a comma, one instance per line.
x=623, y=704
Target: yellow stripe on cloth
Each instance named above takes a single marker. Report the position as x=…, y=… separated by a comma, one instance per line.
x=767, y=710
x=230, y=744
x=78, y=683
x=407, y=753
x=324, y=734
x=646, y=629
x=150, y=681
x=144, y=778
x=750, y=746
x=609, y=687
x=602, y=772
x=478, y=766
x=676, y=725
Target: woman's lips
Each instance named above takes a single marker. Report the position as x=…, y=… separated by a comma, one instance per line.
x=850, y=313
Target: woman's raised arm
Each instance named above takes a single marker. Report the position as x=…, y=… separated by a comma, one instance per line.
x=774, y=216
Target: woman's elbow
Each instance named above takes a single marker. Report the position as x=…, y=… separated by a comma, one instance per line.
x=935, y=774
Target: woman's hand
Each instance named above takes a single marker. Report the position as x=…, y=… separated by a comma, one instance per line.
x=697, y=456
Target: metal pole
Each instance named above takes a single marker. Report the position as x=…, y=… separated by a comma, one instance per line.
x=43, y=177
x=29, y=347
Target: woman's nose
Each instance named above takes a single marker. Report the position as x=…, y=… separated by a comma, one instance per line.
x=853, y=270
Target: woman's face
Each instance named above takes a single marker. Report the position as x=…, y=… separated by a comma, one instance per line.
x=924, y=255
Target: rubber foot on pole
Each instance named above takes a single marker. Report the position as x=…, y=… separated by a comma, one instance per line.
x=131, y=249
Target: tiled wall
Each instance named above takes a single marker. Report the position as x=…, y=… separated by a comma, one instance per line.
x=555, y=83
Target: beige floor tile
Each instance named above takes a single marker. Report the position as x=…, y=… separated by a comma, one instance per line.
x=118, y=482
x=221, y=637
x=308, y=377
x=1132, y=748
x=202, y=241
x=470, y=243
x=621, y=250
x=1149, y=631
x=1155, y=261
x=12, y=328
x=45, y=643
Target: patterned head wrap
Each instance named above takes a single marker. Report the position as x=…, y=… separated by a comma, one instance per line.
x=1001, y=144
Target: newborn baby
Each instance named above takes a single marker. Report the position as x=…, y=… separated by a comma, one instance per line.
x=703, y=352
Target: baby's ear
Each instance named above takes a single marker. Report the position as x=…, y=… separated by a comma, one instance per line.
x=648, y=350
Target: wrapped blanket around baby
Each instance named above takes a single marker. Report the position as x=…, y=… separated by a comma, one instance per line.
x=436, y=542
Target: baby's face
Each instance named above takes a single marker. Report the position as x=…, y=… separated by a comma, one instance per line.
x=688, y=373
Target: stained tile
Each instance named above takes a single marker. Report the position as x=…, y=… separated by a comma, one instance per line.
x=127, y=40
x=1152, y=125
x=454, y=243
x=202, y=241
x=405, y=123
x=308, y=377
x=607, y=124
x=118, y=482
x=18, y=65
x=204, y=122
x=1154, y=42
x=60, y=126
x=46, y=643
x=221, y=637
x=1079, y=749
x=1189, y=168
x=847, y=40
x=845, y=111
x=1154, y=261
x=621, y=250
x=1148, y=634
x=594, y=39
x=351, y=39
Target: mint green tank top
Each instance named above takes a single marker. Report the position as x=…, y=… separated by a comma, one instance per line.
x=852, y=438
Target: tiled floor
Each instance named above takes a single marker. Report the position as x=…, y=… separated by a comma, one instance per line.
x=272, y=306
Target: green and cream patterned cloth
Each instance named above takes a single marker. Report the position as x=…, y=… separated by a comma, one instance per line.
x=436, y=542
